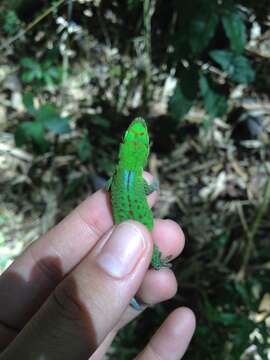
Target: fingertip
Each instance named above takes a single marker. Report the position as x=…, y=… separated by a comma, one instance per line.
x=173, y=337
x=168, y=284
x=183, y=318
x=175, y=231
x=128, y=244
x=152, y=198
x=169, y=237
x=148, y=177
x=176, y=228
x=158, y=286
x=179, y=328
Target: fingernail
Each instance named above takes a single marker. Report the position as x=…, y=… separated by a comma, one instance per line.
x=122, y=251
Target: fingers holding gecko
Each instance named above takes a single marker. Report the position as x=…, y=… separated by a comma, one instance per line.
x=47, y=261
x=158, y=286
x=80, y=302
x=169, y=237
x=161, y=285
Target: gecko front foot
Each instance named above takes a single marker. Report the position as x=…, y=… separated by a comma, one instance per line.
x=158, y=262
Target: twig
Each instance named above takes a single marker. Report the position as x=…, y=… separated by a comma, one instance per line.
x=103, y=28
x=242, y=218
x=31, y=25
x=17, y=153
x=264, y=56
x=147, y=30
x=252, y=233
x=65, y=59
x=148, y=10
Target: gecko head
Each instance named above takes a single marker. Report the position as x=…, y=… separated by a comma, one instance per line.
x=136, y=142
x=137, y=132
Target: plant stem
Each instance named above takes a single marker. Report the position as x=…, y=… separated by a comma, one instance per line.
x=253, y=231
x=147, y=15
x=31, y=25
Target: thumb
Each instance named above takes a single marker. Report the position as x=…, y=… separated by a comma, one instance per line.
x=89, y=302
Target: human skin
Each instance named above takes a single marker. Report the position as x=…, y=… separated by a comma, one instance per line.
x=68, y=294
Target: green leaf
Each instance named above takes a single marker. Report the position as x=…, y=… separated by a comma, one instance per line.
x=31, y=131
x=101, y=121
x=202, y=29
x=28, y=101
x=179, y=105
x=108, y=140
x=197, y=26
x=30, y=64
x=48, y=116
x=84, y=149
x=241, y=289
x=2, y=238
x=33, y=67
x=116, y=71
x=235, y=30
x=54, y=72
x=184, y=94
x=74, y=185
x=45, y=71
x=132, y=4
x=227, y=319
x=46, y=64
x=48, y=80
x=214, y=101
x=58, y=125
x=106, y=165
x=237, y=67
x=28, y=76
x=11, y=22
x=4, y=261
x=32, y=70
x=45, y=112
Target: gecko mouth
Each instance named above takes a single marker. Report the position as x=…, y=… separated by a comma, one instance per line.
x=139, y=120
x=137, y=132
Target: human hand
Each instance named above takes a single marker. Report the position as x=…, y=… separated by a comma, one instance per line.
x=68, y=294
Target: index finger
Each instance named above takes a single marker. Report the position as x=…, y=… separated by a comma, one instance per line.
x=31, y=278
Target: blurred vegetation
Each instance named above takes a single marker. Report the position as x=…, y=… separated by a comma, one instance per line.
x=73, y=74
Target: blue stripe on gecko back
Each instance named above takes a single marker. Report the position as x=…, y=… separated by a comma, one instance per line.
x=129, y=199
x=128, y=179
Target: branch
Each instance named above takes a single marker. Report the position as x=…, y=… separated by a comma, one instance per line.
x=31, y=25
x=253, y=231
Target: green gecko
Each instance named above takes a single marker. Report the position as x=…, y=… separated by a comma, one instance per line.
x=129, y=189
